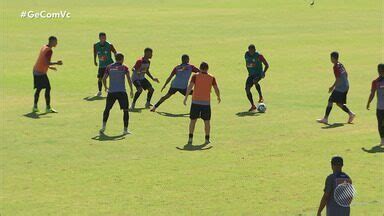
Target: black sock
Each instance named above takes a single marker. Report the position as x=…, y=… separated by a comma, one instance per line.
x=328, y=111
x=126, y=118
x=345, y=108
x=137, y=95
x=105, y=115
x=36, y=97
x=48, y=97
x=250, y=98
x=206, y=137
x=99, y=84
x=149, y=96
x=258, y=88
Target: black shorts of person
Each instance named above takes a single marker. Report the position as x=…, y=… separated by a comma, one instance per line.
x=200, y=111
x=252, y=79
x=121, y=97
x=41, y=82
x=101, y=72
x=338, y=97
x=172, y=91
x=144, y=84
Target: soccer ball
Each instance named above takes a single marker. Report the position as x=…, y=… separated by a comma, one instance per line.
x=261, y=107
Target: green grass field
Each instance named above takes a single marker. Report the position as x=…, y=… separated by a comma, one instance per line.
x=267, y=164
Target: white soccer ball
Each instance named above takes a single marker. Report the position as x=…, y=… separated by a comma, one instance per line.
x=261, y=107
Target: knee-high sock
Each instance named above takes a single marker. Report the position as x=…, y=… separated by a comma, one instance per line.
x=137, y=95
x=249, y=96
x=258, y=88
x=345, y=109
x=99, y=85
x=106, y=115
x=36, y=96
x=48, y=97
x=149, y=95
x=328, y=111
x=126, y=118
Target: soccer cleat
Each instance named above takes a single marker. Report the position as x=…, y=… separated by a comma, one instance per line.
x=351, y=117
x=153, y=109
x=126, y=132
x=50, y=110
x=99, y=94
x=148, y=105
x=253, y=108
x=261, y=100
x=132, y=106
x=35, y=109
x=102, y=130
x=207, y=142
x=323, y=120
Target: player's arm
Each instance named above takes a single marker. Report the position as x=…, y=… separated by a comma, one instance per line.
x=105, y=79
x=372, y=95
x=152, y=78
x=129, y=83
x=189, y=89
x=173, y=73
x=48, y=58
x=217, y=90
x=323, y=202
x=113, y=49
x=94, y=54
x=337, y=80
x=265, y=63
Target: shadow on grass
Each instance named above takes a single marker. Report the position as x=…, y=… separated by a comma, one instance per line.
x=190, y=147
x=374, y=149
x=94, y=98
x=34, y=115
x=334, y=125
x=104, y=137
x=247, y=113
x=173, y=115
x=137, y=110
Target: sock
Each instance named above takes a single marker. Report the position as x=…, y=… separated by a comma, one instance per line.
x=36, y=97
x=250, y=98
x=327, y=111
x=126, y=119
x=137, y=95
x=99, y=84
x=207, y=137
x=345, y=109
x=258, y=88
x=190, y=137
x=48, y=97
x=149, y=96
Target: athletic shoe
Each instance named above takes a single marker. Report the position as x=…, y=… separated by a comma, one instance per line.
x=323, y=120
x=132, y=106
x=126, y=132
x=207, y=141
x=102, y=130
x=153, y=109
x=99, y=94
x=148, y=105
x=253, y=108
x=35, y=109
x=351, y=117
x=50, y=110
x=261, y=100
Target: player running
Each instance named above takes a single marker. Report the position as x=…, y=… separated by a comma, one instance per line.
x=182, y=74
x=116, y=91
x=378, y=88
x=339, y=90
x=201, y=84
x=40, y=78
x=102, y=50
x=332, y=181
x=138, y=78
x=254, y=62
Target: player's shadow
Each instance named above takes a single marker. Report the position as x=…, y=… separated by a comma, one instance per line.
x=190, y=147
x=34, y=115
x=173, y=115
x=334, y=125
x=247, y=113
x=137, y=110
x=94, y=98
x=374, y=149
x=104, y=137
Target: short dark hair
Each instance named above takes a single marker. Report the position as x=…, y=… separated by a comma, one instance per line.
x=52, y=38
x=335, y=55
x=204, y=66
x=102, y=34
x=184, y=57
x=119, y=56
x=337, y=160
x=380, y=67
x=251, y=47
x=148, y=50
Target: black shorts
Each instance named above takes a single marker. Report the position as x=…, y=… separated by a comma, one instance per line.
x=41, y=82
x=144, y=84
x=338, y=97
x=172, y=91
x=251, y=80
x=122, y=97
x=200, y=111
x=101, y=72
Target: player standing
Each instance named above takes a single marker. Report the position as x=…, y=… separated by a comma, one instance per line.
x=40, y=77
x=201, y=84
x=378, y=88
x=102, y=50
x=339, y=90
x=116, y=91
x=140, y=69
x=254, y=62
x=332, y=181
x=180, y=83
